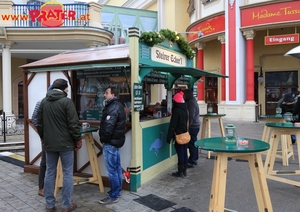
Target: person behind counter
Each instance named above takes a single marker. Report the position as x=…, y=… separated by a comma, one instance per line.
x=194, y=126
x=178, y=125
x=112, y=136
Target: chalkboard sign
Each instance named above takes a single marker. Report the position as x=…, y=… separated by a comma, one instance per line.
x=195, y=91
x=138, y=97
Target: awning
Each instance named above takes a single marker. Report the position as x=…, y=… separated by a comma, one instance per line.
x=80, y=67
x=295, y=52
x=175, y=72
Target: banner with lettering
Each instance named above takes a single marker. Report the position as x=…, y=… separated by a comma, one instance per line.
x=271, y=13
x=207, y=27
x=282, y=39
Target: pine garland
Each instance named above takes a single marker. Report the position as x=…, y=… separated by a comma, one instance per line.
x=153, y=38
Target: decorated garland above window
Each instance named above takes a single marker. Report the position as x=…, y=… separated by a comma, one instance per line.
x=153, y=38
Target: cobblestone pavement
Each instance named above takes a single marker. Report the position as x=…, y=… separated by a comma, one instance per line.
x=19, y=189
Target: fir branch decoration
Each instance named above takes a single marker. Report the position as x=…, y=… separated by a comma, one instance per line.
x=153, y=38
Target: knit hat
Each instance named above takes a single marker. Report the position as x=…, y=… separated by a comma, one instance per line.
x=60, y=84
x=178, y=97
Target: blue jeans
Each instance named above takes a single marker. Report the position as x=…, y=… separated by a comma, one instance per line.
x=67, y=160
x=191, y=145
x=114, y=170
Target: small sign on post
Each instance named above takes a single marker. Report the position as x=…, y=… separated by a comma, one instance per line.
x=138, y=96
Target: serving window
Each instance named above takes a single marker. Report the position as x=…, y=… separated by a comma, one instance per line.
x=91, y=86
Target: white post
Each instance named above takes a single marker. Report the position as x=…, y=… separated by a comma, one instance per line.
x=6, y=78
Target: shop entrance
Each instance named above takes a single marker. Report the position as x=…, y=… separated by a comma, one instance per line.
x=211, y=93
x=278, y=83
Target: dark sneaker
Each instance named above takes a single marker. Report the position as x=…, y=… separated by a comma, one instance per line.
x=108, y=200
x=108, y=193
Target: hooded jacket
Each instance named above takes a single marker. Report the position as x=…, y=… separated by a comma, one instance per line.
x=178, y=122
x=57, y=122
x=113, y=123
x=193, y=108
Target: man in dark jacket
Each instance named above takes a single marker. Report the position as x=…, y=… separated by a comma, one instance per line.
x=112, y=136
x=194, y=126
x=59, y=130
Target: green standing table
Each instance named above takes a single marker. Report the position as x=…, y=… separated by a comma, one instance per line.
x=251, y=153
x=270, y=119
x=277, y=130
x=206, y=126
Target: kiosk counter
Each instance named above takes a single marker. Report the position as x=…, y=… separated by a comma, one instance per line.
x=137, y=74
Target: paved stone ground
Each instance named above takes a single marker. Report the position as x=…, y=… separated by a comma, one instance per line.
x=19, y=189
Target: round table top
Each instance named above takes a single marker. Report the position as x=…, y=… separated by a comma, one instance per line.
x=213, y=114
x=217, y=144
x=91, y=129
x=282, y=125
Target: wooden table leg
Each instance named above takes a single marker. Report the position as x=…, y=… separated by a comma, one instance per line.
x=221, y=127
x=217, y=200
x=208, y=133
x=214, y=185
x=298, y=144
x=203, y=129
x=96, y=174
x=59, y=177
x=259, y=183
x=94, y=160
x=271, y=154
x=290, y=148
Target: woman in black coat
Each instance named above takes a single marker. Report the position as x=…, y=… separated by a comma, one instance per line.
x=178, y=125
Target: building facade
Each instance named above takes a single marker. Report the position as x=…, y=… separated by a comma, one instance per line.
x=241, y=39
x=247, y=41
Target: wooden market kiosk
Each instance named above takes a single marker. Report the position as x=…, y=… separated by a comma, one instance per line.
x=133, y=69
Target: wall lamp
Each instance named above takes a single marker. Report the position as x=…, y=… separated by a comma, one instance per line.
x=199, y=33
x=260, y=77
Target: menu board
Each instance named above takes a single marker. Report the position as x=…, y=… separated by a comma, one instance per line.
x=138, y=97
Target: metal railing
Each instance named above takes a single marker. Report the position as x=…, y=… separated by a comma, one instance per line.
x=31, y=15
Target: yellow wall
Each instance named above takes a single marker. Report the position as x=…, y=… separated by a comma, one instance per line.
x=176, y=17
x=271, y=57
x=152, y=7
x=212, y=55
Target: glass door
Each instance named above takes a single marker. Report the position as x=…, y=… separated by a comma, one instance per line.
x=277, y=84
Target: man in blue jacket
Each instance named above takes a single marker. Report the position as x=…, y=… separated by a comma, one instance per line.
x=59, y=130
x=112, y=136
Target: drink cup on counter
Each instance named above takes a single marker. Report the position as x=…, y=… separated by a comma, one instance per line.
x=85, y=125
